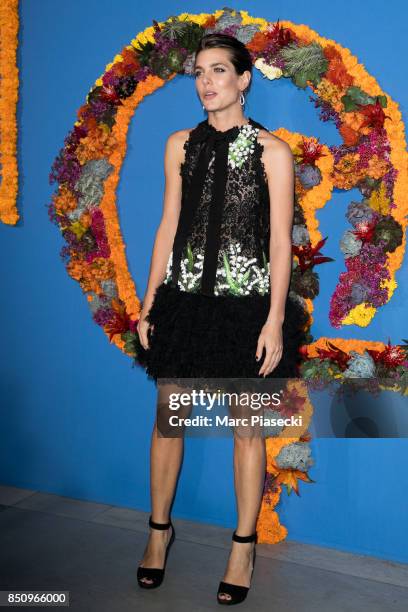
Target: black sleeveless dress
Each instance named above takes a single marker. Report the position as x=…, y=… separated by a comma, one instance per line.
x=210, y=308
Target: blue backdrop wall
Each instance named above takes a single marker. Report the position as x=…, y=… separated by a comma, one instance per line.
x=75, y=418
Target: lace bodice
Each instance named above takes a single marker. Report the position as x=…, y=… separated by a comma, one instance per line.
x=221, y=245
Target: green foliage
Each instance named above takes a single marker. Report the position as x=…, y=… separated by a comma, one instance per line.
x=322, y=369
x=356, y=96
x=303, y=64
x=131, y=341
x=265, y=261
x=389, y=230
x=234, y=284
x=190, y=258
x=143, y=52
x=305, y=283
x=186, y=33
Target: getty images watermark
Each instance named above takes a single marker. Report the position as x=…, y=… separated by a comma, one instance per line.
x=282, y=407
x=250, y=401
x=214, y=407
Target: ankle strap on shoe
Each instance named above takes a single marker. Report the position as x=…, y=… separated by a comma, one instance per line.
x=250, y=538
x=155, y=525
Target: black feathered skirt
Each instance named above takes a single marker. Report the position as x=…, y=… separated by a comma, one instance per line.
x=197, y=336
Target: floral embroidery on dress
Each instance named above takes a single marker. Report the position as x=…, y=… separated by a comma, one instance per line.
x=242, y=146
x=238, y=275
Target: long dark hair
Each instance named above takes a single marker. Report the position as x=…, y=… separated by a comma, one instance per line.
x=239, y=54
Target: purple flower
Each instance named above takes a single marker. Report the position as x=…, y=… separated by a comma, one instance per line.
x=100, y=107
x=103, y=316
x=99, y=233
x=375, y=143
x=66, y=169
x=142, y=73
x=110, y=79
x=327, y=113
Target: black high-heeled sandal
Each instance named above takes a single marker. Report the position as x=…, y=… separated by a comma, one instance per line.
x=154, y=573
x=237, y=592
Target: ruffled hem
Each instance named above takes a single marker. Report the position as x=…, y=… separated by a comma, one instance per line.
x=197, y=336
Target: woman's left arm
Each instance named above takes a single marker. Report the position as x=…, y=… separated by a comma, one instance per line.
x=279, y=168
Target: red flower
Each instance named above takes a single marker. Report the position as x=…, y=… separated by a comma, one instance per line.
x=120, y=321
x=365, y=231
x=310, y=256
x=279, y=35
x=311, y=151
x=303, y=351
x=334, y=354
x=109, y=94
x=391, y=356
x=374, y=115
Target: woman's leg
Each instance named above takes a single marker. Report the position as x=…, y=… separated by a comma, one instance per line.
x=165, y=460
x=249, y=474
x=166, y=454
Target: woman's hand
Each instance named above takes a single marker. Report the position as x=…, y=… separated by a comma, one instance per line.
x=142, y=329
x=271, y=339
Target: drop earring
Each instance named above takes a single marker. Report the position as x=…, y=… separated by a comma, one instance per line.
x=242, y=99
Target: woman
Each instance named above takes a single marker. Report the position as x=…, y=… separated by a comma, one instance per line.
x=209, y=311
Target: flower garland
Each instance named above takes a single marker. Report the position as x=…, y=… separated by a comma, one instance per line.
x=372, y=158
x=340, y=359
x=9, y=24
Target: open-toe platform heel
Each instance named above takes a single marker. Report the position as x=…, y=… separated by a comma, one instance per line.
x=237, y=592
x=155, y=574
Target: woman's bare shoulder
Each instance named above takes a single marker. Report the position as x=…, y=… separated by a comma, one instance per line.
x=273, y=144
x=178, y=138
x=175, y=145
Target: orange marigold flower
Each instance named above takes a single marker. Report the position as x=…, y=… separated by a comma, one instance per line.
x=74, y=268
x=347, y=163
x=98, y=144
x=350, y=136
x=77, y=269
x=102, y=269
x=9, y=76
x=90, y=275
x=129, y=57
x=346, y=172
x=210, y=23
x=299, y=188
x=337, y=72
x=377, y=167
x=86, y=219
x=354, y=119
x=257, y=43
x=330, y=92
x=330, y=52
x=64, y=201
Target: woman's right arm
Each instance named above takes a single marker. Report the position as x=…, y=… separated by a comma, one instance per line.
x=163, y=244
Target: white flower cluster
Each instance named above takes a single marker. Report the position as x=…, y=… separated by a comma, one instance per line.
x=242, y=146
x=238, y=275
x=270, y=72
x=189, y=279
x=241, y=275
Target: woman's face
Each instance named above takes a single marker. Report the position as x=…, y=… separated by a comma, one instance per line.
x=218, y=85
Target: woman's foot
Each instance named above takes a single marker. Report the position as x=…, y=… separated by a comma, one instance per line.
x=239, y=567
x=155, y=550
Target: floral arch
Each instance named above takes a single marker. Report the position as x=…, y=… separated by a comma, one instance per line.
x=371, y=158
